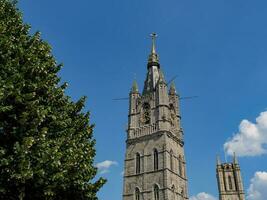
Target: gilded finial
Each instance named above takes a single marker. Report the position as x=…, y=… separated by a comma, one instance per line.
x=153, y=49
x=153, y=59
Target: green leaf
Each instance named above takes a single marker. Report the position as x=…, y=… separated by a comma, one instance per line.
x=47, y=148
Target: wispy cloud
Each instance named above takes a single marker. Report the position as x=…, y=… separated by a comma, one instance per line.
x=258, y=184
x=105, y=166
x=203, y=196
x=251, y=140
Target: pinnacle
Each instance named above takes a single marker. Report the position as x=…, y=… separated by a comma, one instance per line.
x=172, y=88
x=135, y=87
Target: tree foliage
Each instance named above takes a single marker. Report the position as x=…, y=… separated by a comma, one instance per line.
x=46, y=141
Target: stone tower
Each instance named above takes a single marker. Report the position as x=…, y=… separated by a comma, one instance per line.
x=155, y=167
x=229, y=179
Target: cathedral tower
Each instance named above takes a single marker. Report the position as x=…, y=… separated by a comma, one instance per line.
x=155, y=167
x=229, y=180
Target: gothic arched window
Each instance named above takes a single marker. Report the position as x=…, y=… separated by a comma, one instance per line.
x=146, y=113
x=156, y=192
x=156, y=159
x=137, y=194
x=180, y=166
x=171, y=160
x=137, y=163
x=230, y=182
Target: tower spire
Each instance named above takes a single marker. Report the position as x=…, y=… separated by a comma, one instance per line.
x=153, y=59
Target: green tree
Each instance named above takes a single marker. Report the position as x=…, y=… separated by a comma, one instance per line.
x=46, y=141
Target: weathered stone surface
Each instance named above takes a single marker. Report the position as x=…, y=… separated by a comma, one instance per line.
x=229, y=179
x=154, y=124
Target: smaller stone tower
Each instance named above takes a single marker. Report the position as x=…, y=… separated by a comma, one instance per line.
x=229, y=179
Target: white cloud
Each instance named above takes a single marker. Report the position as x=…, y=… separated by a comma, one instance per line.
x=203, y=196
x=104, y=166
x=251, y=140
x=258, y=185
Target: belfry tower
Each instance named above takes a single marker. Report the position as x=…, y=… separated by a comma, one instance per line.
x=155, y=167
x=229, y=179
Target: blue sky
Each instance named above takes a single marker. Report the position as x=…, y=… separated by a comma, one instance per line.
x=218, y=49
